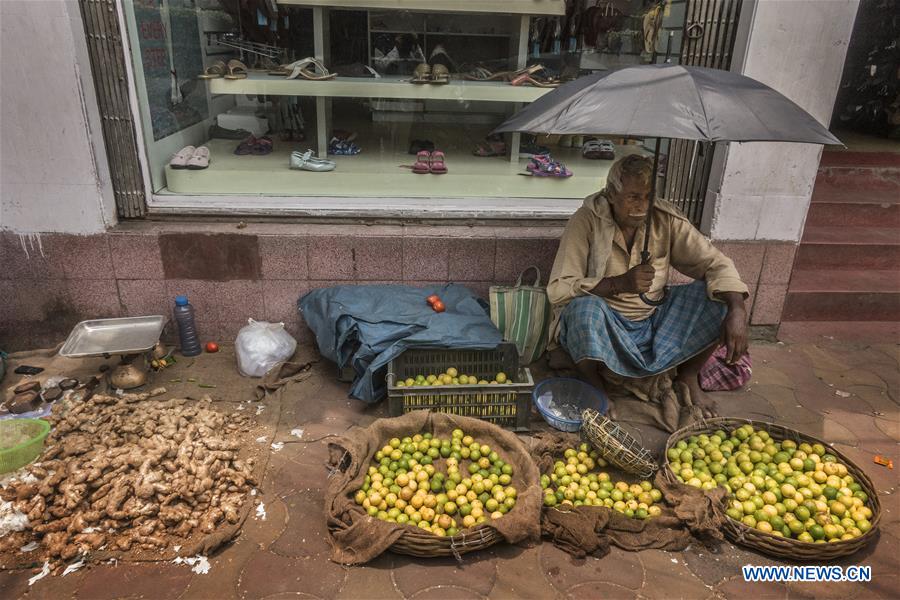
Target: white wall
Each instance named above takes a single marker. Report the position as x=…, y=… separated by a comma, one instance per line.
x=797, y=47
x=53, y=169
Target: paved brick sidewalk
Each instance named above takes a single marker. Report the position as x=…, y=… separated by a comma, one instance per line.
x=286, y=555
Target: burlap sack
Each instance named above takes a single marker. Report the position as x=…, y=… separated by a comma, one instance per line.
x=592, y=530
x=358, y=538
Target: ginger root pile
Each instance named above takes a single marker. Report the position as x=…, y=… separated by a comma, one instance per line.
x=131, y=473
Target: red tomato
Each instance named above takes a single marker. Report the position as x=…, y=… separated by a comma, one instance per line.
x=212, y=347
x=438, y=306
x=432, y=299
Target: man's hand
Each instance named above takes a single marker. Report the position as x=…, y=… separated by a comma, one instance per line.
x=734, y=328
x=638, y=280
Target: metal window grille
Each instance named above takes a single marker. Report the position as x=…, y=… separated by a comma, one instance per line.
x=709, y=34
x=107, y=56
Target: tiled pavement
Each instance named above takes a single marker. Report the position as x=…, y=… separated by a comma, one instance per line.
x=286, y=555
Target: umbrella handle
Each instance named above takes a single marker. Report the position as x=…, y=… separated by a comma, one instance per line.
x=645, y=259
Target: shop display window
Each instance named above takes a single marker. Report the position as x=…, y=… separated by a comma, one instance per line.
x=384, y=81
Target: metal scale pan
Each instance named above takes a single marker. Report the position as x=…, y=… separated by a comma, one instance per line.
x=105, y=337
x=132, y=338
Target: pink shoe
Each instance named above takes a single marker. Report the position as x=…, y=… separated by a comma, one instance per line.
x=438, y=167
x=423, y=163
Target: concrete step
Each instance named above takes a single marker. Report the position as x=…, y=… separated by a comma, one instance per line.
x=853, y=214
x=871, y=332
x=834, y=247
x=829, y=280
x=849, y=158
x=841, y=306
x=856, y=172
x=829, y=192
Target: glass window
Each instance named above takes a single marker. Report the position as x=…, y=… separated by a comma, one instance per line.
x=307, y=98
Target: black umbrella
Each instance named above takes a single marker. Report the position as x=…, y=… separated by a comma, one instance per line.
x=670, y=101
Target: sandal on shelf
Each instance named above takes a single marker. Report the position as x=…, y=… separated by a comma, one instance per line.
x=527, y=79
x=438, y=166
x=545, y=166
x=342, y=148
x=490, y=148
x=306, y=161
x=423, y=163
x=254, y=145
x=199, y=159
x=301, y=68
x=421, y=74
x=440, y=74
x=180, y=159
x=214, y=71
x=236, y=70
x=484, y=74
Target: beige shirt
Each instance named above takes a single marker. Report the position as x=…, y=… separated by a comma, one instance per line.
x=593, y=247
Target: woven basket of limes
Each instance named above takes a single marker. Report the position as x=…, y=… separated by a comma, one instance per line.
x=791, y=495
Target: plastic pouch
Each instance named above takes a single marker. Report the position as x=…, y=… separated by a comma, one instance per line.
x=261, y=345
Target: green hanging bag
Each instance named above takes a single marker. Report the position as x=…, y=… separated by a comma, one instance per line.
x=522, y=314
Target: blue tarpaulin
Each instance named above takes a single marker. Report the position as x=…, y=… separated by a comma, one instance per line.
x=367, y=326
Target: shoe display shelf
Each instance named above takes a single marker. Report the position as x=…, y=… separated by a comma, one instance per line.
x=516, y=12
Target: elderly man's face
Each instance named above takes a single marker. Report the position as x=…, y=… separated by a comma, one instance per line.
x=631, y=203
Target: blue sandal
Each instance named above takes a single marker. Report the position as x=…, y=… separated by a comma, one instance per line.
x=342, y=147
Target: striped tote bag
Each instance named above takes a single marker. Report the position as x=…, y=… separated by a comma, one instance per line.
x=522, y=314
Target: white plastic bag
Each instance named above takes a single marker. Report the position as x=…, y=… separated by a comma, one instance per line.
x=260, y=345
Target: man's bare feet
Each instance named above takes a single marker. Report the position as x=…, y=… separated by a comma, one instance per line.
x=707, y=405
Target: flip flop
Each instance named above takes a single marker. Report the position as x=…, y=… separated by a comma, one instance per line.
x=214, y=71
x=422, y=165
x=236, y=70
x=181, y=158
x=438, y=166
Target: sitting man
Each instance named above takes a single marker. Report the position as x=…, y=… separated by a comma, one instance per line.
x=597, y=277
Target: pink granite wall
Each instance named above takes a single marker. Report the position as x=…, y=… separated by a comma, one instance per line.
x=48, y=284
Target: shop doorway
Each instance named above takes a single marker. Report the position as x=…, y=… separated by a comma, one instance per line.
x=866, y=114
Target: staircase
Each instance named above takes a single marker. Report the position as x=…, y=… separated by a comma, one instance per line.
x=846, y=272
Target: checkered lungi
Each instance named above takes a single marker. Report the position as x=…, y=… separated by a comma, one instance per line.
x=685, y=325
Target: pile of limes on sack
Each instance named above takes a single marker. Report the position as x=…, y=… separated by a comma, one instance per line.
x=405, y=486
x=575, y=482
x=787, y=489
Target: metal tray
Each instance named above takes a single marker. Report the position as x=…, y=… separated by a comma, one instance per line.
x=129, y=335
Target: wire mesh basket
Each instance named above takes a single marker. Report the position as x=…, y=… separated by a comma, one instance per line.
x=616, y=445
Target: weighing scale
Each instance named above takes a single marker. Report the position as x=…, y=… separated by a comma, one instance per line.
x=132, y=338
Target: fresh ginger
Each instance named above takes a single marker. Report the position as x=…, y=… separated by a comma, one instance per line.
x=130, y=472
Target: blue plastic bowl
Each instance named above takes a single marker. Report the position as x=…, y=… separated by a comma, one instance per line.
x=567, y=390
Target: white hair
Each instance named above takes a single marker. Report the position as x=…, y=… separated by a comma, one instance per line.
x=632, y=165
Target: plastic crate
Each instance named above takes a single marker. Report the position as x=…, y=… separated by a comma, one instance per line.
x=506, y=405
